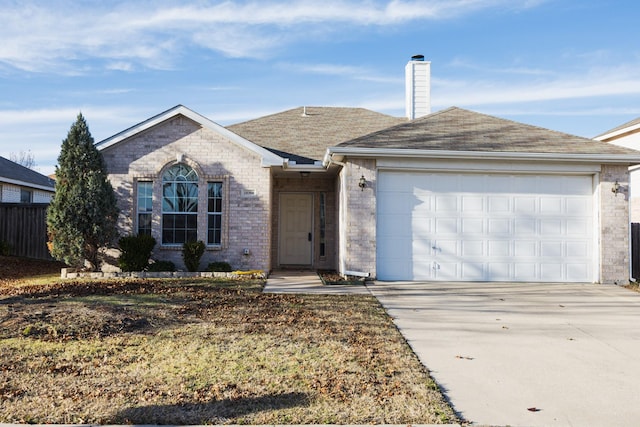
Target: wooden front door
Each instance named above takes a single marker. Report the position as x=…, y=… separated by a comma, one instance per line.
x=296, y=229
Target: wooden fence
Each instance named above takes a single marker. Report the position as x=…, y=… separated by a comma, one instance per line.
x=24, y=228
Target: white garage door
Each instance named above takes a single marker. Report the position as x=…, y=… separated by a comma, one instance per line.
x=485, y=227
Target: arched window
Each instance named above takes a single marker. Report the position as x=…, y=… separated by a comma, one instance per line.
x=179, y=205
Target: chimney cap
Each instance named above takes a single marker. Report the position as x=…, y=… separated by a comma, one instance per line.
x=417, y=58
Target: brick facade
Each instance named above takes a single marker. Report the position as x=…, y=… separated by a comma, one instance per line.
x=614, y=225
x=246, y=188
x=358, y=250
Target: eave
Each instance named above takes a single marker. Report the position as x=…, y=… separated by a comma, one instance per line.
x=337, y=154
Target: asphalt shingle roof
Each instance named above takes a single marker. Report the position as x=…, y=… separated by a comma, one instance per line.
x=457, y=129
x=17, y=172
x=305, y=138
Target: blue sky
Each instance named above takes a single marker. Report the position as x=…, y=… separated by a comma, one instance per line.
x=567, y=65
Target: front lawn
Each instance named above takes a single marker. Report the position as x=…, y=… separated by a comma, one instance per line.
x=204, y=352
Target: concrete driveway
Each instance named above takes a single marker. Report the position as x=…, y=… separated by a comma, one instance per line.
x=526, y=354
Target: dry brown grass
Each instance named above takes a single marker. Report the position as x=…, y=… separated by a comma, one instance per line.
x=202, y=352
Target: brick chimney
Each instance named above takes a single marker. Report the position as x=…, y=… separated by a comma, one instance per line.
x=418, y=87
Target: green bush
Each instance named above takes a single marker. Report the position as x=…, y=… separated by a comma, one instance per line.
x=136, y=251
x=219, y=266
x=5, y=248
x=161, y=266
x=191, y=254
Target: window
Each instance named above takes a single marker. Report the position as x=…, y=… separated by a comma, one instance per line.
x=323, y=224
x=26, y=196
x=145, y=199
x=179, y=205
x=214, y=213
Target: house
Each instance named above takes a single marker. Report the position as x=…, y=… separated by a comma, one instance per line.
x=454, y=195
x=628, y=135
x=19, y=184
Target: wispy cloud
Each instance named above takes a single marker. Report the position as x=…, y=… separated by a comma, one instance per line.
x=597, y=82
x=62, y=36
x=344, y=71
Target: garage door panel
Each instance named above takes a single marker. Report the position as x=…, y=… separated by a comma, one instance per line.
x=397, y=203
x=524, y=227
x=578, y=227
x=446, y=226
x=525, y=204
x=577, y=272
x=499, y=270
x=525, y=248
x=446, y=204
x=526, y=271
x=499, y=248
x=472, y=225
x=499, y=204
x=551, y=272
x=472, y=204
x=472, y=271
x=483, y=227
x=551, y=205
x=472, y=248
x=550, y=226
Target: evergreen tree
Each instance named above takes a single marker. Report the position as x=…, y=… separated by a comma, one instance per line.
x=82, y=215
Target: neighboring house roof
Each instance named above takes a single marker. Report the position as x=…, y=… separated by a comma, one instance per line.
x=14, y=173
x=622, y=130
x=458, y=132
x=268, y=158
x=304, y=138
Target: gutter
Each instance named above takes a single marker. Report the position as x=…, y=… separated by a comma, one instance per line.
x=27, y=184
x=341, y=152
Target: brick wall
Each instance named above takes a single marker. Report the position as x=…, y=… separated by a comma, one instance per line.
x=614, y=225
x=359, y=219
x=246, y=186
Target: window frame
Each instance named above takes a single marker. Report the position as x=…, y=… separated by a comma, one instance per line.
x=28, y=193
x=182, y=209
x=148, y=211
x=215, y=209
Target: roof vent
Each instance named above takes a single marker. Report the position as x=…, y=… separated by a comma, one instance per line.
x=304, y=112
x=417, y=58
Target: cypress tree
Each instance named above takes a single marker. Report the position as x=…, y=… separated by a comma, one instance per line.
x=82, y=215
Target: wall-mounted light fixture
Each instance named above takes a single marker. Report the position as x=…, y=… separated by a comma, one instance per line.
x=616, y=187
x=305, y=174
x=362, y=183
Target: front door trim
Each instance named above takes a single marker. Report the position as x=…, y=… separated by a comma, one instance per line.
x=305, y=245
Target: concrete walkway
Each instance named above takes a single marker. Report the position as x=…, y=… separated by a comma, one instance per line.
x=516, y=354
x=306, y=282
x=526, y=354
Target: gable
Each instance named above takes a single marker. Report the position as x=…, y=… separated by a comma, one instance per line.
x=267, y=158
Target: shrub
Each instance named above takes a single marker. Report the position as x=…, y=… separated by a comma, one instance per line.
x=191, y=254
x=5, y=248
x=136, y=251
x=219, y=266
x=161, y=266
